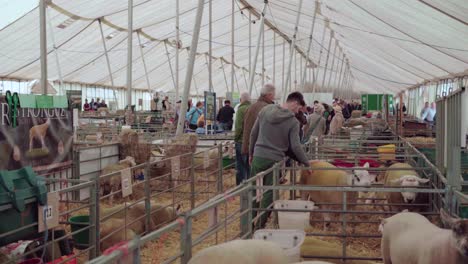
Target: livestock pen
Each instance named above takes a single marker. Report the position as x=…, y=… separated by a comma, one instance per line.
x=353, y=236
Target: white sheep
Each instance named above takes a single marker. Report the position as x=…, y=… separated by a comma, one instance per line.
x=406, y=177
x=112, y=183
x=242, y=251
x=38, y=132
x=317, y=176
x=410, y=238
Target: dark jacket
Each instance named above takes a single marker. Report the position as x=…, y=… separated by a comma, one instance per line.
x=249, y=121
x=225, y=114
x=239, y=129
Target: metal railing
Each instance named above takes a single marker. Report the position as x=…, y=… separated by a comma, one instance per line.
x=234, y=214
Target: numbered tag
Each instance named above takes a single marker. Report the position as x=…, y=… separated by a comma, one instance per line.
x=212, y=217
x=48, y=215
x=206, y=159
x=126, y=178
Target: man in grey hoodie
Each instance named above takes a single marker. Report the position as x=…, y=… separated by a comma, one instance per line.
x=275, y=132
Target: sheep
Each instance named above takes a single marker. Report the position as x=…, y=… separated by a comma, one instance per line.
x=337, y=121
x=332, y=178
x=159, y=215
x=410, y=238
x=242, y=251
x=135, y=215
x=112, y=183
x=110, y=226
x=38, y=132
x=405, y=177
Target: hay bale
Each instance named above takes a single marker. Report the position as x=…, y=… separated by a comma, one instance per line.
x=130, y=145
x=315, y=247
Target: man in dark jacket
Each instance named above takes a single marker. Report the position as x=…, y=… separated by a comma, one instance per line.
x=275, y=131
x=225, y=115
x=267, y=95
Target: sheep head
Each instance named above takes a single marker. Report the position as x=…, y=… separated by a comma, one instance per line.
x=459, y=231
x=409, y=181
x=363, y=177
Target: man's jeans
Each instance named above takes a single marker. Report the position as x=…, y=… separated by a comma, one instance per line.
x=242, y=164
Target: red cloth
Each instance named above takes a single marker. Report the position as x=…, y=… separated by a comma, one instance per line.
x=346, y=164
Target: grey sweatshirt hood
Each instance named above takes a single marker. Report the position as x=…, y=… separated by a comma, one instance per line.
x=276, y=114
x=276, y=132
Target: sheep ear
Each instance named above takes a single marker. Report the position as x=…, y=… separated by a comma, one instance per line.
x=421, y=180
x=447, y=220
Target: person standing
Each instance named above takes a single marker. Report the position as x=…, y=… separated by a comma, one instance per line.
x=242, y=160
x=225, y=115
x=86, y=106
x=429, y=113
x=424, y=110
x=316, y=125
x=275, y=132
x=267, y=95
x=91, y=105
x=193, y=115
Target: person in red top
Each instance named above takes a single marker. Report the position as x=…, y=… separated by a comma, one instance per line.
x=86, y=106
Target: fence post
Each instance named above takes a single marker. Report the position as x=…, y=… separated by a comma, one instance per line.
x=276, y=174
x=250, y=201
x=192, y=183
x=186, y=239
x=94, y=220
x=147, y=197
x=76, y=172
x=220, y=168
x=344, y=224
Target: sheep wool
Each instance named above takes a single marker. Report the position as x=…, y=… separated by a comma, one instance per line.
x=242, y=251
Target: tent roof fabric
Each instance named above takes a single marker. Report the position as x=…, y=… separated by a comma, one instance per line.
x=390, y=44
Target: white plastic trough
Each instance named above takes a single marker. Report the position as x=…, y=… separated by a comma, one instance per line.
x=288, y=239
x=293, y=220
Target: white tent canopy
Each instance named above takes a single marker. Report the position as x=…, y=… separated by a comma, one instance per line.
x=390, y=44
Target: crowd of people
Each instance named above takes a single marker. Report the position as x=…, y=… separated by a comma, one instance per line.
x=94, y=105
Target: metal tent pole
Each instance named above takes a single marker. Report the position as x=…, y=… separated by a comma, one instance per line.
x=43, y=43
x=338, y=76
x=144, y=62
x=284, y=62
x=250, y=44
x=232, y=45
x=168, y=61
x=224, y=74
x=129, y=54
x=57, y=61
x=245, y=78
x=291, y=51
x=106, y=53
x=257, y=47
x=177, y=50
x=274, y=57
x=333, y=61
x=189, y=72
x=332, y=34
x=309, y=46
x=317, y=70
x=210, y=45
x=263, y=59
